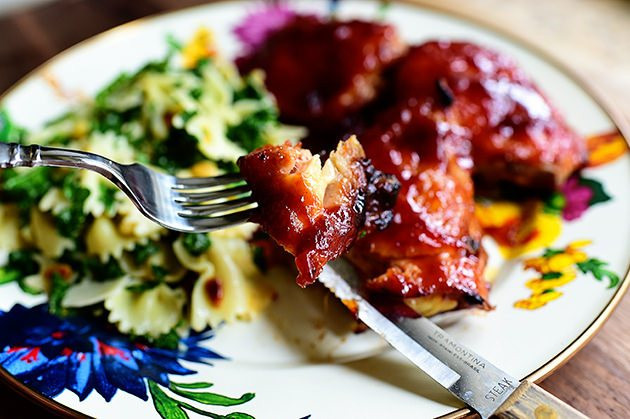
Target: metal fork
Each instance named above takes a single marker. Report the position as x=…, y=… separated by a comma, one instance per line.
x=182, y=204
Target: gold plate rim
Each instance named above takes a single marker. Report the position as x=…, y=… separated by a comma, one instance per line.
x=606, y=104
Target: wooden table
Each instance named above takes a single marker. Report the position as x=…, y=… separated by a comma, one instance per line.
x=592, y=36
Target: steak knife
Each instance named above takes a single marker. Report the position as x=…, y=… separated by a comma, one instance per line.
x=467, y=375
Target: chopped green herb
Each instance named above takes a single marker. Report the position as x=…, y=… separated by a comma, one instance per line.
x=26, y=188
x=196, y=243
x=20, y=264
x=107, y=195
x=9, y=132
x=159, y=272
x=100, y=271
x=105, y=119
x=121, y=82
x=249, y=134
x=196, y=93
x=249, y=91
x=228, y=166
x=69, y=222
x=168, y=340
x=178, y=151
x=23, y=261
x=142, y=252
x=173, y=43
x=187, y=115
x=59, y=288
x=8, y=275
x=143, y=286
x=260, y=261
x=201, y=65
x=24, y=286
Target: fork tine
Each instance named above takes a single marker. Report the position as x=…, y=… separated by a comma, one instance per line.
x=204, y=182
x=200, y=197
x=210, y=209
x=207, y=224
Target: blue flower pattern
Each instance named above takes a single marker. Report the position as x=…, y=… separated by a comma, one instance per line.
x=50, y=354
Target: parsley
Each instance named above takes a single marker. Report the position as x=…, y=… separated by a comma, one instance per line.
x=20, y=264
x=143, y=286
x=168, y=340
x=178, y=151
x=106, y=119
x=187, y=115
x=100, y=271
x=249, y=91
x=201, y=66
x=107, y=195
x=26, y=188
x=70, y=221
x=8, y=275
x=260, y=260
x=196, y=243
x=159, y=272
x=250, y=133
x=173, y=43
x=196, y=93
x=227, y=166
x=59, y=288
x=9, y=132
x=142, y=252
x=23, y=261
x=596, y=268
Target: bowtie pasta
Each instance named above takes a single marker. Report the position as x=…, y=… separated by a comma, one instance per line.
x=72, y=236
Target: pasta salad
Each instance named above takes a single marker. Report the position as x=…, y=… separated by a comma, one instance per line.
x=71, y=235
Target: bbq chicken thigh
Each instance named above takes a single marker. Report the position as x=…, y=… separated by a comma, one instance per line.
x=316, y=212
x=436, y=116
x=517, y=136
x=430, y=256
x=322, y=72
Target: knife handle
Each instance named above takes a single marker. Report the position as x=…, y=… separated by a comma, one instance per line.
x=531, y=401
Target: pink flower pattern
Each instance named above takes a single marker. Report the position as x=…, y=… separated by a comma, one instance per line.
x=257, y=26
x=577, y=198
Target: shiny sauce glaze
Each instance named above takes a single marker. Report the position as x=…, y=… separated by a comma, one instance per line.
x=517, y=135
x=313, y=213
x=322, y=72
x=432, y=245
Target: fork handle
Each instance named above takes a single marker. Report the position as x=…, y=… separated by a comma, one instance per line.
x=17, y=155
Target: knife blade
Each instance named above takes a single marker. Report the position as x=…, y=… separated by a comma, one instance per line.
x=467, y=375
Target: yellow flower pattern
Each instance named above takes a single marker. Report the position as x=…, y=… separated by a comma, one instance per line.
x=558, y=267
x=202, y=45
x=518, y=228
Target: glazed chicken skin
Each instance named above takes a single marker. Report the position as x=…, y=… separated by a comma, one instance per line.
x=517, y=136
x=437, y=116
x=323, y=72
x=316, y=212
x=432, y=247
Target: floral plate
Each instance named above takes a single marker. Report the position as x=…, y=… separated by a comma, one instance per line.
x=559, y=267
